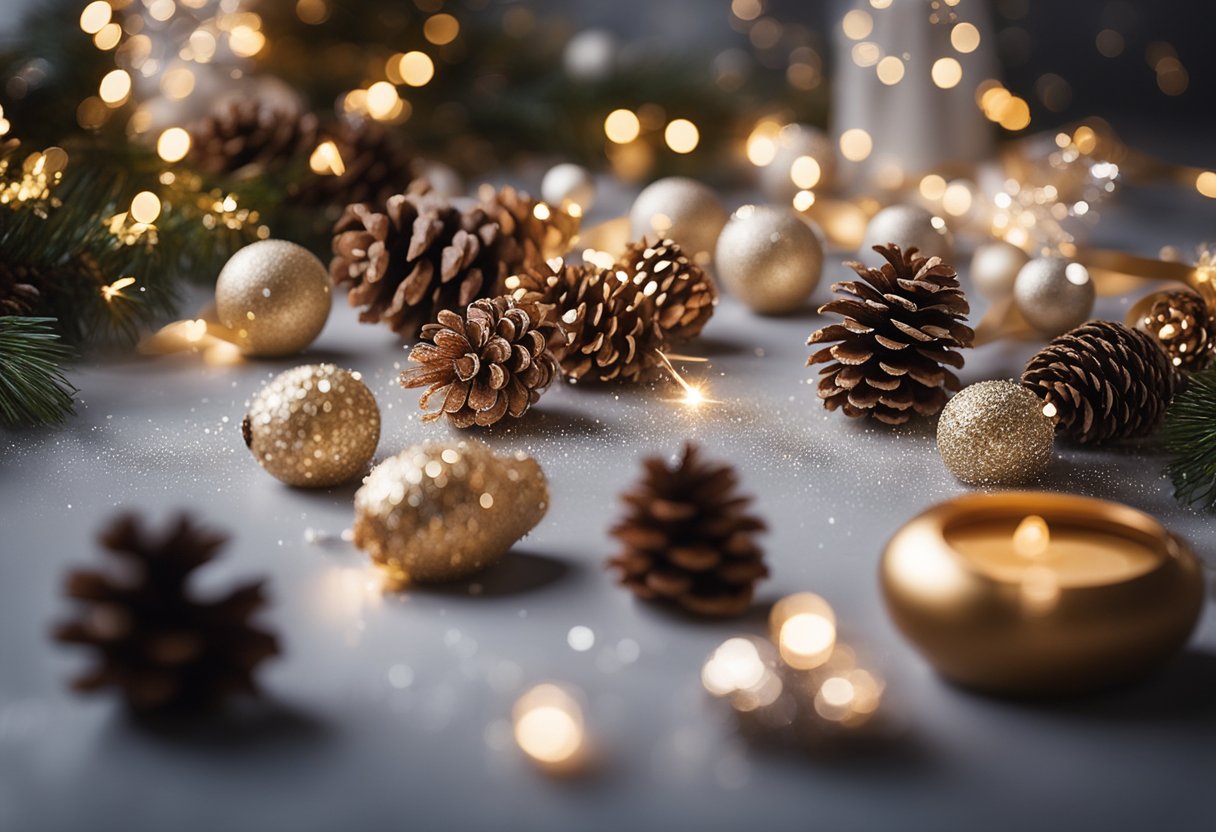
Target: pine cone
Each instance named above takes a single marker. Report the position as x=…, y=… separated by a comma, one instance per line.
x=905, y=324
x=1102, y=381
x=376, y=164
x=422, y=255
x=492, y=363
x=19, y=289
x=531, y=231
x=248, y=137
x=161, y=647
x=688, y=538
x=1183, y=327
x=684, y=296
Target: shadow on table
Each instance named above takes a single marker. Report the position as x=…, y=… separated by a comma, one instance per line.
x=261, y=723
x=519, y=573
x=542, y=421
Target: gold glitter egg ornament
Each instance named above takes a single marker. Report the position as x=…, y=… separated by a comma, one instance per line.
x=440, y=511
x=995, y=433
x=769, y=258
x=274, y=298
x=315, y=426
x=681, y=209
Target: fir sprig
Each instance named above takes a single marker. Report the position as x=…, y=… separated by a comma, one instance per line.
x=33, y=388
x=1190, y=435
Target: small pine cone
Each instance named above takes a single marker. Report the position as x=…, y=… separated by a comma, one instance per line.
x=904, y=325
x=494, y=362
x=414, y=258
x=608, y=334
x=1102, y=381
x=20, y=289
x=247, y=137
x=1183, y=327
x=687, y=537
x=376, y=164
x=164, y=649
x=683, y=297
x=530, y=231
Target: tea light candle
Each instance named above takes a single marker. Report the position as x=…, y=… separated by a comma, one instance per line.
x=1031, y=593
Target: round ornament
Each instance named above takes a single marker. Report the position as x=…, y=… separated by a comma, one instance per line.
x=995, y=433
x=441, y=511
x=315, y=425
x=804, y=158
x=591, y=55
x=1054, y=294
x=769, y=258
x=274, y=297
x=995, y=267
x=907, y=226
x=567, y=184
x=680, y=209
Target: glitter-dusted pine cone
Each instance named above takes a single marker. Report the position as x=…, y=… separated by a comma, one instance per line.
x=161, y=647
x=683, y=296
x=248, y=137
x=376, y=164
x=902, y=326
x=492, y=363
x=1183, y=326
x=414, y=257
x=530, y=231
x=1102, y=381
x=20, y=292
x=687, y=537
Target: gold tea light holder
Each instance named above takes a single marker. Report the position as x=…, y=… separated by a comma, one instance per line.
x=1027, y=593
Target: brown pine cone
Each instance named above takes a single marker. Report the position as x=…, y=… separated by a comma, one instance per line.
x=531, y=231
x=247, y=137
x=687, y=537
x=1102, y=381
x=19, y=289
x=494, y=362
x=164, y=649
x=683, y=297
x=1182, y=325
x=418, y=257
x=904, y=325
x=376, y=164
x=608, y=334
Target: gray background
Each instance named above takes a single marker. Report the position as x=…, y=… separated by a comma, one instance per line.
x=391, y=711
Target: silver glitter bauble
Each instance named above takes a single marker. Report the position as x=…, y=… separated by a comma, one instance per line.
x=680, y=209
x=315, y=425
x=995, y=433
x=441, y=511
x=769, y=258
x=1054, y=294
x=567, y=184
x=907, y=226
x=788, y=173
x=995, y=267
x=274, y=297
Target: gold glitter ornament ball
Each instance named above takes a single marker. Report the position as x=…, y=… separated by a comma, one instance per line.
x=995, y=267
x=907, y=226
x=995, y=433
x=769, y=258
x=274, y=297
x=441, y=511
x=314, y=426
x=681, y=209
x=1054, y=294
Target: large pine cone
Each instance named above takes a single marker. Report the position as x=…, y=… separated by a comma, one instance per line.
x=904, y=325
x=19, y=289
x=376, y=164
x=494, y=362
x=1102, y=381
x=164, y=649
x=247, y=137
x=687, y=537
x=1182, y=325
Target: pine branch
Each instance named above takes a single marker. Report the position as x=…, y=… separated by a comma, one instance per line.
x=33, y=388
x=1190, y=435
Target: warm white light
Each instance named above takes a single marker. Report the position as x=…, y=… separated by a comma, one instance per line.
x=622, y=126
x=964, y=37
x=890, y=70
x=382, y=100
x=549, y=726
x=145, y=207
x=1032, y=537
x=95, y=16
x=947, y=72
x=682, y=135
x=416, y=68
x=855, y=144
x=857, y=24
x=805, y=172
x=173, y=144
x=115, y=87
